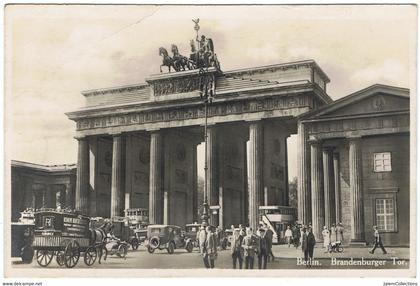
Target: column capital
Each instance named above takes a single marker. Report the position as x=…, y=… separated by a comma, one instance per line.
x=354, y=138
x=80, y=137
x=115, y=134
x=314, y=141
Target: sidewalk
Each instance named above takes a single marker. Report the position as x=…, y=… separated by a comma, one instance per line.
x=282, y=251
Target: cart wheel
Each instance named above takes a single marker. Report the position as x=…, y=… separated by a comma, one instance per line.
x=59, y=257
x=90, y=256
x=135, y=243
x=150, y=250
x=171, y=248
x=122, y=250
x=71, y=254
x=340, y=249
x=44, y=257
x=27, y=254
x=189, y=247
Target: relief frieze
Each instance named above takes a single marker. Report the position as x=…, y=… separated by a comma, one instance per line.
x=221, y=109
x=360, y=124
x=172, y=86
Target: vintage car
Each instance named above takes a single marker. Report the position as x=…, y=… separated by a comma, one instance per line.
x=169, y=237
x=191, y=231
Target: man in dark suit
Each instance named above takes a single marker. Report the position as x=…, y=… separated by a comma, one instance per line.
x=378, y=241
x=305, y=247
x=262, y=249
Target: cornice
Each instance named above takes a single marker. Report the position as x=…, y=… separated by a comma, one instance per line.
x=262, y=92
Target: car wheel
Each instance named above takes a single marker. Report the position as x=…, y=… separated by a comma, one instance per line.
x=171, y=248
x=150, y=250
x=340, y=249
x=189, y=247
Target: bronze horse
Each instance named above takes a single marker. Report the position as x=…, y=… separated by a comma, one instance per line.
x=180, y=62
x=167, y=60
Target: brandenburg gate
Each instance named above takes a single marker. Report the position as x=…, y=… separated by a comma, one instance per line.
x=137, y=144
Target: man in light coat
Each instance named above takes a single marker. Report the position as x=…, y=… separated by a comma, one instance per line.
x=202, y=241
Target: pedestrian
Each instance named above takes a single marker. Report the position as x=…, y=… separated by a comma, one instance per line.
x=262, y=249
x=333, y=233
x=202, y=241
x=305, y=247
x=288, y=235
x=269, y=234
x=236, y=249
x=326, y=236
x=378, y=241
x=249, y=246
x=211, y=246
x=310, y=245
x=296, y=235
x=340, y=232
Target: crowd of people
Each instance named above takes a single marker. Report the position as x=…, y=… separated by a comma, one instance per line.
x=247, y=246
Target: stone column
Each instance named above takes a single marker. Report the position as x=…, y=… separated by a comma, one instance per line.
x=255, y=172
x=82, y=179
x=212, y=179
x=336, y=163
x=69, y=196
x=328, y=187
x=117, y=191
x=304, y=179
x=156, y=178
x=356, y=190
x=93, y=176
x=317, y=190
x=58, y=204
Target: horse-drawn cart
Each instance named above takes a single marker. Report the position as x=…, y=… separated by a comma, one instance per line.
x=66, y=236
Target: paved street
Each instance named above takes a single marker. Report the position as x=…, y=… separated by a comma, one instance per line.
x=285, y=259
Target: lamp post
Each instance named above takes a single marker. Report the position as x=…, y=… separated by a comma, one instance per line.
x=206, y=94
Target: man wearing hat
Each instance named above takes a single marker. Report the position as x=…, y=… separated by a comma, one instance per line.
x=262, y=249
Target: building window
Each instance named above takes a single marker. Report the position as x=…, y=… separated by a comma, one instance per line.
x=385, y=214
x=382, y=162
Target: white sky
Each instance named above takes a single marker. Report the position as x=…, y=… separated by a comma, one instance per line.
x=54, y=52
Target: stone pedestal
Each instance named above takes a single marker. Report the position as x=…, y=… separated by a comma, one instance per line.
x=117, y=191
x=356, y=190
x=156, y=178
x=304, y=179
x=317, y=190
x=255, y=172
x=82, y=180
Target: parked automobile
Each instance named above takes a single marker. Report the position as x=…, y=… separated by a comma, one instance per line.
x=191, y=231
x=169, y=237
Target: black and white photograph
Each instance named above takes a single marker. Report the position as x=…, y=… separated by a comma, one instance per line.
x=210, y=140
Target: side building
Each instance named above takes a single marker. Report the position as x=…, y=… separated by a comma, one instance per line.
x=355, y=165
x=41, y=186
